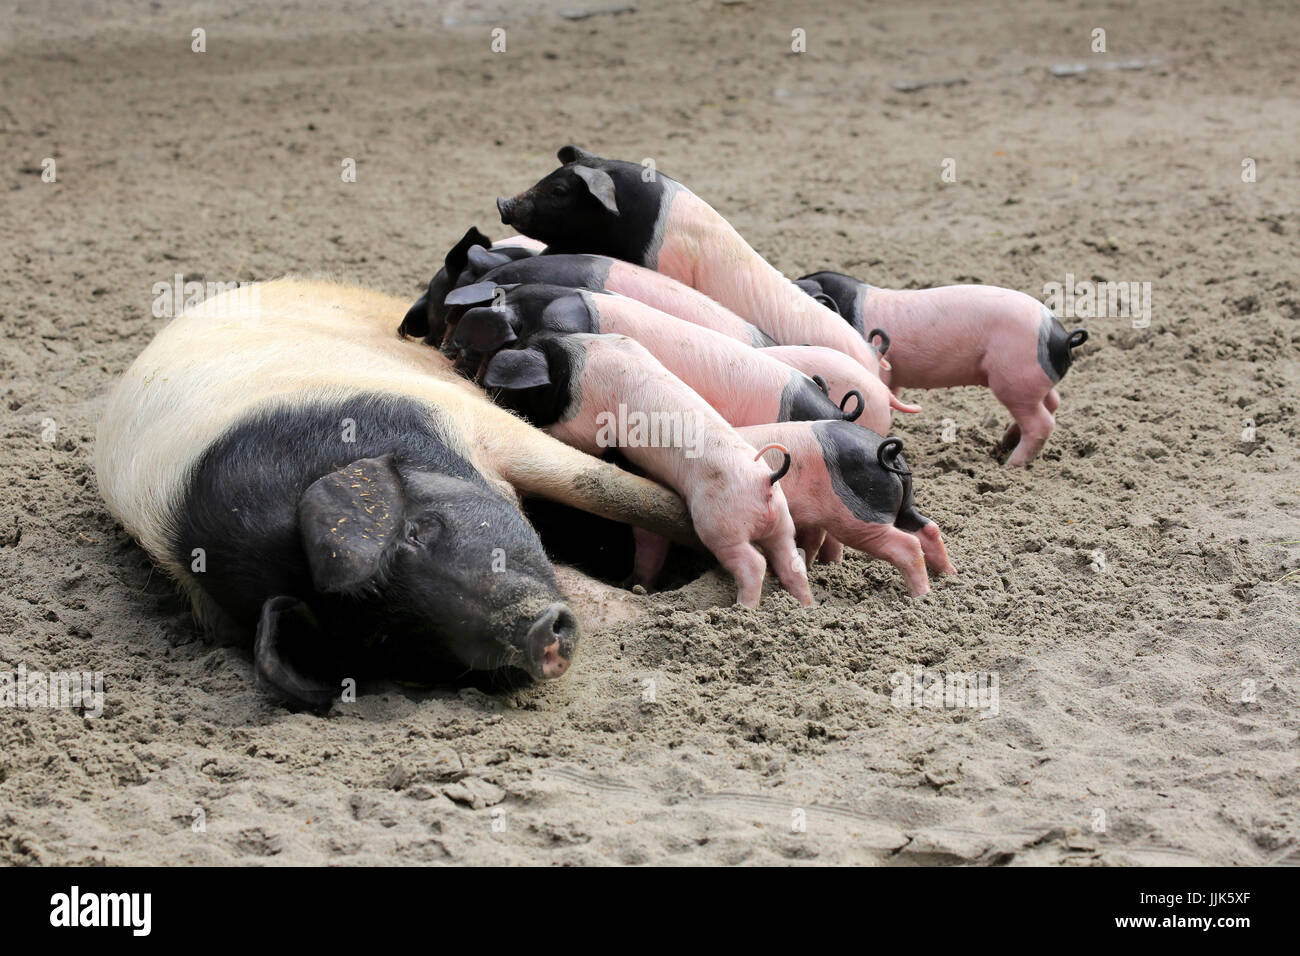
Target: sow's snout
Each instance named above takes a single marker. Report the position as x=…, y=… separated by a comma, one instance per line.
x=507, y=209
x=547, y=644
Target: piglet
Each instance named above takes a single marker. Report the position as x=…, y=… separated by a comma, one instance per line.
x=466, y=261
x=600, y=391
x=845, y=485
x=621, y=209
x=747, y=386
x=852, y=487
x=965, y=335
x=841, y=377
x=603, y=274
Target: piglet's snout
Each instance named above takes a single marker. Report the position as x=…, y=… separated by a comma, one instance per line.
x=506, y=208
x=550, y=642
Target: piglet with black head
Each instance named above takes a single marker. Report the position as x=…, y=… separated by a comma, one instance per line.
x=747, y=386
x=620, y=209
x=597, y=392
x=466, y=262
x=604, y=274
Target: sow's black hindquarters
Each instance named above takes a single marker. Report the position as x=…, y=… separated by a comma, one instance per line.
x=869, y=475
x=241, y=506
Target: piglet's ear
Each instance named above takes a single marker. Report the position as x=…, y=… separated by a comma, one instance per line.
x=600, y=185
x=570, y=313
x=475, y=294
x=517, y=368
x=346, y=520
x=574, y=154
x=484, y=260
x=458, y=254
x=483, y=330
x=827, y=301
x=284, y=625
x=416, y=322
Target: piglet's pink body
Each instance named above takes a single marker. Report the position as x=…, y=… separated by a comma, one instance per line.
x=841, y=375
x=676, y=298
x=701, y=249
x=732, y=502
x=820, y=513
x=971, y=335
x=746, y=386
x=523, y=242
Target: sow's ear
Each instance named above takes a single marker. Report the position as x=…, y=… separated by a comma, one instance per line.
x=600, y=185
x=285, y=622
x=519, y=368
x=483, y=330
x=346, y=520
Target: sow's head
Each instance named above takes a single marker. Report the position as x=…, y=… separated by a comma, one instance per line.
x=445, y=570
x=590, y=204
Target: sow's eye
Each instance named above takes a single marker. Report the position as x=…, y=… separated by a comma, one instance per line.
x=422, y=532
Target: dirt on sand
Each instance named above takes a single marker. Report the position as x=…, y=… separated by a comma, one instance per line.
x=1125, y=591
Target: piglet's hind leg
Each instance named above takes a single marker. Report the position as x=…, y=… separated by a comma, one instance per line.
x=899, y=548
x=832, y=551
x=1036, y=424
x=747, y=566
x=792, y=572
x=936, y=555
x=927, y=532
x=810, y=541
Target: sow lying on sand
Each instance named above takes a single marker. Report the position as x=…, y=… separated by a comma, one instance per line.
x=338, y=493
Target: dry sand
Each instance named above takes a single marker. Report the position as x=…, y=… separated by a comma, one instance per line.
x=1120, y=691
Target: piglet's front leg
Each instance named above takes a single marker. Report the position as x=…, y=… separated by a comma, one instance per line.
x=735, y=506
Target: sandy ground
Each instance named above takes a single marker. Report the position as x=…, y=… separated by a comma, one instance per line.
x=695, y=734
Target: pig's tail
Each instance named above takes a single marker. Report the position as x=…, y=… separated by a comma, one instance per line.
x=890, y=449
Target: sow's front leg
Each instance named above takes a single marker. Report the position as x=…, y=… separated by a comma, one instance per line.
x=539, y=465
